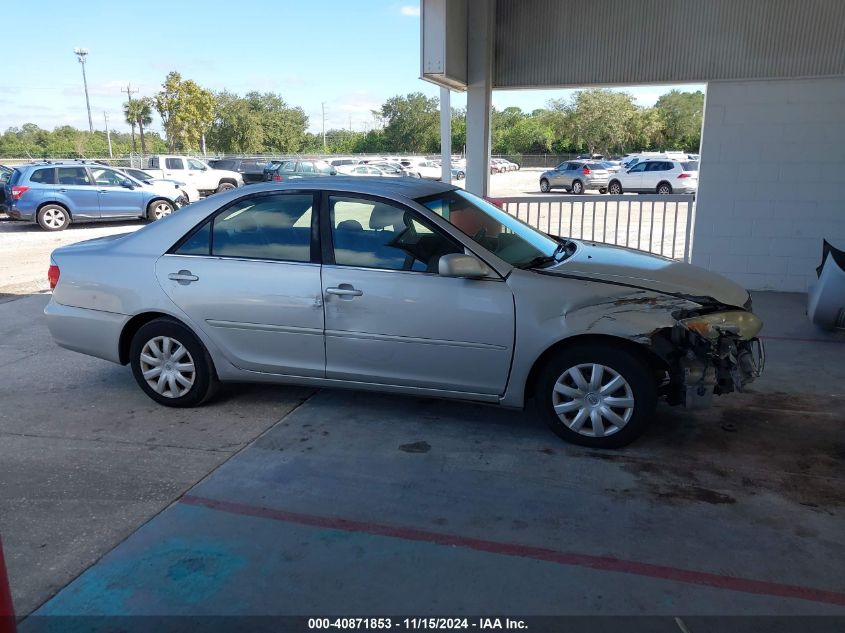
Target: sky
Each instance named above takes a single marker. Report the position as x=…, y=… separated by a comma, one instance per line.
x=350, y=55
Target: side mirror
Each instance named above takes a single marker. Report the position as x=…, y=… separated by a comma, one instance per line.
x=128, y=184
x=460, y=265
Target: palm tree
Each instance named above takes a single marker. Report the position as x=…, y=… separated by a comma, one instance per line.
x=145, y=117
x=130, y=113
x=139, y=112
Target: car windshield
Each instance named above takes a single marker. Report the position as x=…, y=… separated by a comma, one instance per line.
x=509, y=238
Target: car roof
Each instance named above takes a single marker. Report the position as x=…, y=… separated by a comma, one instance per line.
x=408, y=188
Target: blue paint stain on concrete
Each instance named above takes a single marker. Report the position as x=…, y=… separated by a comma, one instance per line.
x=173, y=573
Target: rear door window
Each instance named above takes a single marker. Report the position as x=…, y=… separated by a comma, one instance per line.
x=75, y=176
x=44, y=176
x=276, y=227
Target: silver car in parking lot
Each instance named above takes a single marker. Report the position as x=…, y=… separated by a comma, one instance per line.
x=576, y=176
x=405, y=286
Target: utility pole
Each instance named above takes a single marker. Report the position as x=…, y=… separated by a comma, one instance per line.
x=108, y=132
x=82, y=53
x=323, y=104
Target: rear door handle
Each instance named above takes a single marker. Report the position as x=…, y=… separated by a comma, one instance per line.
x=184, y=277
x=345, y=290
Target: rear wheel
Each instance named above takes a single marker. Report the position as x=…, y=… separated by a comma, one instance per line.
x=596, y=395
x=53, y=217
x=664, y=188
x=615, y=188
x=157, y=209
x=545, y=187
x=578, y=187
x=171, y=365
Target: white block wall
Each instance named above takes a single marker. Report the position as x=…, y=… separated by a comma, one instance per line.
x=772, y=180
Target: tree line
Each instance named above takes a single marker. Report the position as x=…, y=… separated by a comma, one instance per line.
x=196, y=119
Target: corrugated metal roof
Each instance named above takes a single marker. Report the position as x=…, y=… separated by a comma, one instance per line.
x=588, y=42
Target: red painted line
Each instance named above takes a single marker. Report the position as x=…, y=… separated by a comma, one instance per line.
x=603, y=563
x=803, y=340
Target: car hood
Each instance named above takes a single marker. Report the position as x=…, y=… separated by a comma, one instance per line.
x=631, y=267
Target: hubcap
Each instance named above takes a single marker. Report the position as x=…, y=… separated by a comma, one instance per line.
x=167, y=367
x=663, y=189
x=54, y=218
x=593, y=400
x=576, y=187
x=161, y=210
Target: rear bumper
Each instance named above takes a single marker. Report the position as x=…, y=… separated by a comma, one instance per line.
x=90, y=332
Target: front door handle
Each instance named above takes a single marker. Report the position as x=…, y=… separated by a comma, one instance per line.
x=344, y=290
x=184, y=277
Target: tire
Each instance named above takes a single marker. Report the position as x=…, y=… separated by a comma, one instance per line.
x=615, y=188
x=602, y=189
x=545, y=187
x=461, y=175
x=202, y=378
x=157, y=209
x=225, y=186
x=577, y=187
x=664, y=188
x=53, y=217
x=557, y=386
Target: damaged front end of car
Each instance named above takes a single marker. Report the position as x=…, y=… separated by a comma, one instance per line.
x=710, y=351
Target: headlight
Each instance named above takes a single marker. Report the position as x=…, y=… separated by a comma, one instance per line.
x=743, y=324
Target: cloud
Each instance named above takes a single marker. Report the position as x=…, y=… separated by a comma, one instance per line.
x=410, y=10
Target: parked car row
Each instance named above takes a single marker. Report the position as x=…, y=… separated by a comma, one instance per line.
x=54, y=194
x=651, y=175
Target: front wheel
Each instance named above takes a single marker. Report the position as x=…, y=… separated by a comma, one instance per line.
x=615, y=188
x=157, y=209
x=225, y=186
x=597, y=395
x=545, y=187
x=171, y=365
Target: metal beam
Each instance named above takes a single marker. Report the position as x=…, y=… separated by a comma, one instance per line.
x=445, y=135
x=480, y=40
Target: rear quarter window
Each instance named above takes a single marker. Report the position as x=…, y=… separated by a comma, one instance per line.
x=44, y=176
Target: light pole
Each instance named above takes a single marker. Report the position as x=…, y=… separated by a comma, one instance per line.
x=82, y=53
x=323, y=105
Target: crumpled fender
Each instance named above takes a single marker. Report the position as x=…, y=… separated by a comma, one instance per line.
x=637, y=315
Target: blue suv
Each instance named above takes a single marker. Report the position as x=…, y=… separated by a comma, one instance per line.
x=56, y=194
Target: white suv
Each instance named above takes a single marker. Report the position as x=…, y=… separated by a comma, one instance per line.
x=658, y=175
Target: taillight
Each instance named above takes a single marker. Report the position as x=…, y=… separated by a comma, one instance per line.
x=585, y=171
x=684, y=175
x=18, y=191
x=277, y=177
x=53, y=275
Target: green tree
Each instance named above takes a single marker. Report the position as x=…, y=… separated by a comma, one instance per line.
x=139, y=112
x=186, y=110
x=257, y=123
x=682, y=114
x=602, y=119
x=412, y=124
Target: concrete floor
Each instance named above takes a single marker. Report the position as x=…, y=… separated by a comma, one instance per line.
x=363, y=504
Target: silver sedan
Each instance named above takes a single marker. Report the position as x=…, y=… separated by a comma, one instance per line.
x=404, y=286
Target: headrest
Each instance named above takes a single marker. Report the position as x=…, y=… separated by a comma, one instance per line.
x=384, y=216
x=350, y=225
